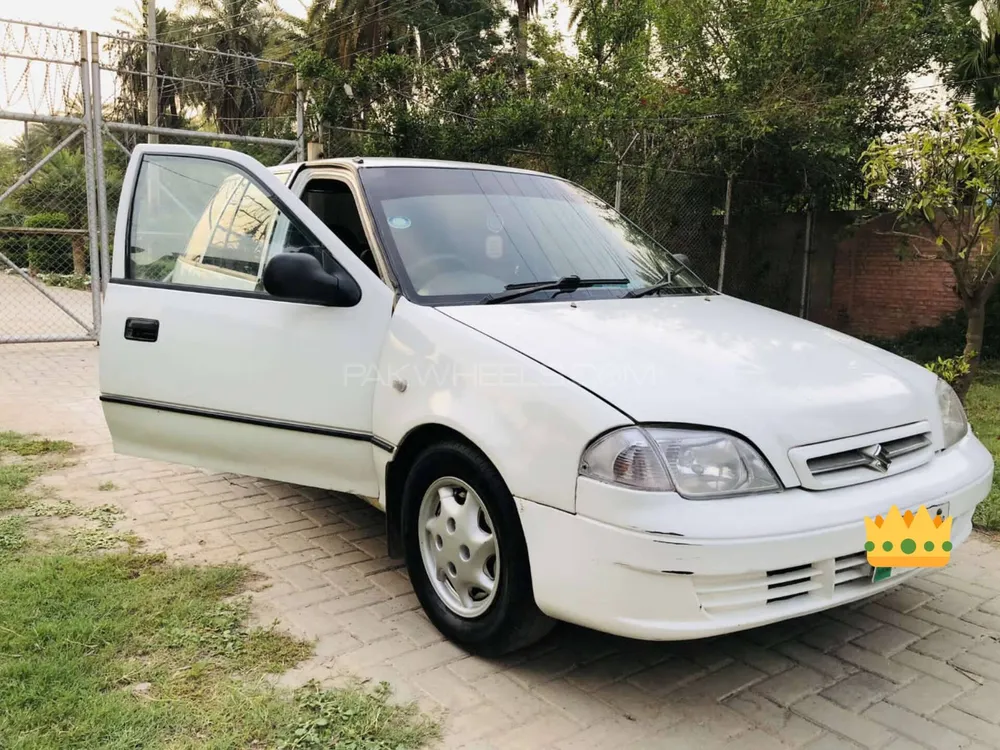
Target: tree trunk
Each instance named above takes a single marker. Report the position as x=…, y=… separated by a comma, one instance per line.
x=975, y=312
x=522, y=42
x=79, y=256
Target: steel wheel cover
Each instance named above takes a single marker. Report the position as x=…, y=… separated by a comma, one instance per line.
x=458, y=547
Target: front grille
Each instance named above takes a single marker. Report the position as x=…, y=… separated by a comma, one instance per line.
x=862, y=458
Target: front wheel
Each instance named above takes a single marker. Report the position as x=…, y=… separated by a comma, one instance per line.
x=466, y=554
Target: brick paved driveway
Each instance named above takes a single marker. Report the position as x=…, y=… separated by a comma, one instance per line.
x=24, y=311
x=919, y=667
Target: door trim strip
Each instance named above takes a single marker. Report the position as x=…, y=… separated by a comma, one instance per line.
x=276, y=424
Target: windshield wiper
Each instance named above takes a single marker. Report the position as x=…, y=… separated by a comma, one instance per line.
x=565, y=284
x=667, y=282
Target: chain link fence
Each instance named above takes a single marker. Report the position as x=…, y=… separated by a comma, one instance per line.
x=768, y=242
x=82, y=103
x=47, y=210
x=682, y=211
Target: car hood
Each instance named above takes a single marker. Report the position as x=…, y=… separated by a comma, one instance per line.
x=716, y=361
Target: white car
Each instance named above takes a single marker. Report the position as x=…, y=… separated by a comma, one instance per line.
x=559, y=419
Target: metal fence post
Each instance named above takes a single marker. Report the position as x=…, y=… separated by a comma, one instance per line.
x=806, y=253
x=97, y=117
x=88, y=158
x=618, y=187
x=300, y=118
x=725, y=231
x=152, y=95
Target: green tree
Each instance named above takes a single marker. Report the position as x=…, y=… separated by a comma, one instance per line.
x=793, y=91
x=609, y=28
x=945, y=180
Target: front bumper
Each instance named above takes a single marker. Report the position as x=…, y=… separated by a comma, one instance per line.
x=674, y=574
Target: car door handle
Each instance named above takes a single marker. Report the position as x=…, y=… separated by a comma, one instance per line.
x=142, y=329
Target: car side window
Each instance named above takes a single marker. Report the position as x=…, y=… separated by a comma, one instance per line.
x=201, y=222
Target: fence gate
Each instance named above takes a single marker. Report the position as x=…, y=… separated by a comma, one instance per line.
x=50, y=264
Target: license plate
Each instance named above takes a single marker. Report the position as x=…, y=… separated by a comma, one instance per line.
x=881, y=574
x=938, y=510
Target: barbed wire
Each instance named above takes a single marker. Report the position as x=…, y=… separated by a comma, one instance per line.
x=39, y=67
x=37, y=40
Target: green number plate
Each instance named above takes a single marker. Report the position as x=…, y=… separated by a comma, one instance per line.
x=880, y=574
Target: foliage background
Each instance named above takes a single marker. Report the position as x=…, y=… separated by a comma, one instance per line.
x=671, y=97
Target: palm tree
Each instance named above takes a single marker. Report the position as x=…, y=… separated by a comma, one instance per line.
x=525, y=10
x=129, y=56
x=234, y=92
x=977, y=72
x=343, y=29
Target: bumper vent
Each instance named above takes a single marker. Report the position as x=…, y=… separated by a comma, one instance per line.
x=722, y=594
x=726, y=596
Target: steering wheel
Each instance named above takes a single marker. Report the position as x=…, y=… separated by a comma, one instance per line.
x=455, y=263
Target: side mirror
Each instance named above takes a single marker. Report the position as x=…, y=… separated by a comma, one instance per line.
x=301, y=277
x=683, y=259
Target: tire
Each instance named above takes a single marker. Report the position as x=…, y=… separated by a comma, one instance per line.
x=487, y=623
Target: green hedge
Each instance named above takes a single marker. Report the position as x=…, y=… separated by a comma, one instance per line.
x=12, y=245
x=49, y=253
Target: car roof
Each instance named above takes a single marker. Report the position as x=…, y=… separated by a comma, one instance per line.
x=361, y=162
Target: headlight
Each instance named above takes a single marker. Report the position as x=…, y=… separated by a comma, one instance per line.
x=696, y=463
x=953, y=420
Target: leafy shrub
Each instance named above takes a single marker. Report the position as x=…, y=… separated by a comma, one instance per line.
x=49, y=253
x=951, y=369
x=12, y=245
x=66, y=280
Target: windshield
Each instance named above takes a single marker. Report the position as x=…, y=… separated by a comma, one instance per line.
x=457, y=235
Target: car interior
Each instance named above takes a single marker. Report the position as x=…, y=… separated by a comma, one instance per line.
x=333, y=202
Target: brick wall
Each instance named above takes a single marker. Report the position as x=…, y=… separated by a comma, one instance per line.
x=861, y=285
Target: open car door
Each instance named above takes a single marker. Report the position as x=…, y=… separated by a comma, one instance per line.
x=199, y=364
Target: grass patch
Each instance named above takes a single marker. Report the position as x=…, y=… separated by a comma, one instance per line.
x=31, y=445
x=983, y=407
x=22, y=459
x=122, y=650
x=351, y=719
x=78, y=631
x=125, y=650
x=107, y=487
x=14, y=478
x=11, y=535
